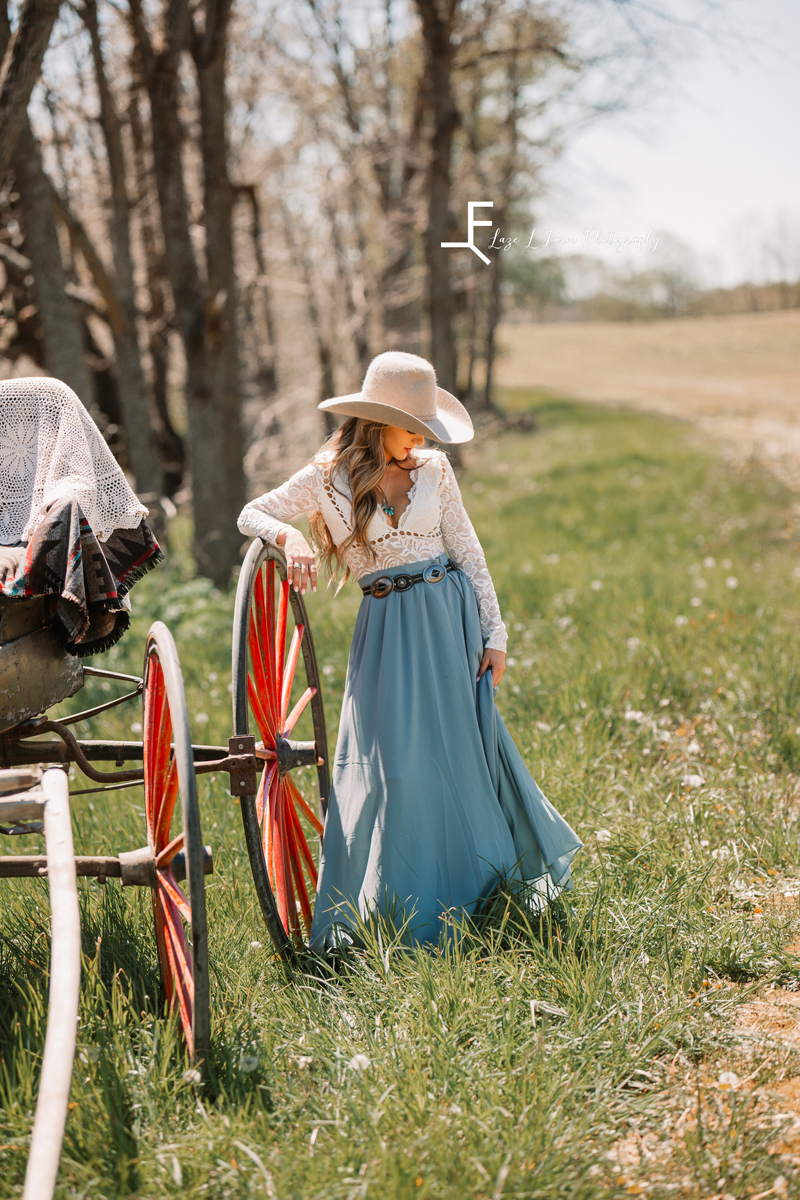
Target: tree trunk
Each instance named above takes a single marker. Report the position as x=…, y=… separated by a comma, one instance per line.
x=205, y=316
x=356, y=315
x=137, y=405
x=510, y=167
x=209, y=51
x=492, y=321
x=437, y=27
x=64, y=355
x=261, y=309
x=22, y=57
x=327, y=383
x=173, y=452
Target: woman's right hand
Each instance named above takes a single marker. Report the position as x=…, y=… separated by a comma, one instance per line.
x=300, y=565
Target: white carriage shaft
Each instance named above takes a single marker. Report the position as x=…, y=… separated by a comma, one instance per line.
x=65, y=979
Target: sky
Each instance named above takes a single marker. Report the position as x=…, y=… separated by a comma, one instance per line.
x=715, y=161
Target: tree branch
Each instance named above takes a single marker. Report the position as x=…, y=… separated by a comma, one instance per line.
x=22, y=63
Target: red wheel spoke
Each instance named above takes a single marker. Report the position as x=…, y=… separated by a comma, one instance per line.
x=262, y=798
x=260, y=691
x=262, y=619
x=167, y=807
x=289, y=673
x=280, y=633
x=266, y=725
x=169, y=883
x=178, y=943
x=301, y=845
x=297, y=875
x=269, y=831
x=299, y=852
x=291, y=859
x=157, y=738
x=283, y=869
x=298, y=710
x=168, y=853
x=179, y=963
x=269, y=826
x=301, y=803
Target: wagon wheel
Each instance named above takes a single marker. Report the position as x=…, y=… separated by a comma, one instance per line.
x=169, y=770
x=264, y=672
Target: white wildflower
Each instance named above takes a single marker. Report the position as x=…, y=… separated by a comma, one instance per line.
x=728, y=1081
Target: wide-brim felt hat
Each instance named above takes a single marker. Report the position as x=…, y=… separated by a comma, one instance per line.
x=400, y=389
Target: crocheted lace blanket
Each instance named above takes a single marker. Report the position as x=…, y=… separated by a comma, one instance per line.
x=435, y=521
x=51, y=450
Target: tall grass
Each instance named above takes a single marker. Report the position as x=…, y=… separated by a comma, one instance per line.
x=574, y=1056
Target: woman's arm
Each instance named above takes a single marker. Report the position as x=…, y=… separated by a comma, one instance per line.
x=461, y=543
x=266, y=517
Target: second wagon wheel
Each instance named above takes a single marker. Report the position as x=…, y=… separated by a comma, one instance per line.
x=264, y=686
x=169, y=772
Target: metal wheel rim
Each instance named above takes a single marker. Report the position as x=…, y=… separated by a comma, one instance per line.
x=258, y=555
x=162, y=675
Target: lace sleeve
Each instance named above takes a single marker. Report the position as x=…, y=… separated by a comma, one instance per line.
x=461, y=543
x=265, y=517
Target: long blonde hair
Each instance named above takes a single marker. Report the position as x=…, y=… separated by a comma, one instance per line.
x=358, y=456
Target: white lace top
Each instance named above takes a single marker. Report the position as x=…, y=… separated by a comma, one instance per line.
x=435, y=521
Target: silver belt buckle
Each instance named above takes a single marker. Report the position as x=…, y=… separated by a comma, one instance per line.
x=381, y=588
x=402, y=583
x=435, y=573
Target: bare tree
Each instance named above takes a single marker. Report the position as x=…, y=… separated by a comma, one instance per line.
x=438, y=25
x=137, y=404
x=22, y=57
x=59, y=321
x=298, y=248
x=258, y=300
x=205, y=306
x=63, y=336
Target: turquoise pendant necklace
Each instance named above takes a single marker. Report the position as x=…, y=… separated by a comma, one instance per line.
x=385, y=505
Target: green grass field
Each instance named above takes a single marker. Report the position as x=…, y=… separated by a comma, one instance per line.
x=652, y=600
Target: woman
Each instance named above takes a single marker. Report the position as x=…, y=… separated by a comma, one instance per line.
x=430, y=798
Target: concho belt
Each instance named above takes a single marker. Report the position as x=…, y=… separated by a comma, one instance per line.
x=381, y=587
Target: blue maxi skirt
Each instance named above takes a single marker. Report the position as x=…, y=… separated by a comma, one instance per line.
x=430, y=798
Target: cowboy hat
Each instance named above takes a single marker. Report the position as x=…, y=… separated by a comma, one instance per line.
x=400, y=389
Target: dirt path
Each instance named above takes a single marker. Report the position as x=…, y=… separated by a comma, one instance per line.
x=737, y=377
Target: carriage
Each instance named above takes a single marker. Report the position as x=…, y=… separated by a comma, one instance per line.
x=276, y=692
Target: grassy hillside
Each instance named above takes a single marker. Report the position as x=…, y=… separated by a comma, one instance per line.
x=652, y=686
